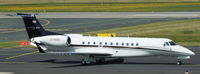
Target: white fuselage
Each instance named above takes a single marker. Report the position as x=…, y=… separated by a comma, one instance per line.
x=116, y=46
x=96, y=49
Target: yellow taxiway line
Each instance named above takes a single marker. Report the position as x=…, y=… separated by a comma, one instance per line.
x=20, y=55
x=48, y=22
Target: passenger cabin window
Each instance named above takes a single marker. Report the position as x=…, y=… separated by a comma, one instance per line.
x=122, y=44
x=137, y=44
x=88, y=42
x=116, y=43
x=100, y=43
x=132, y=44
x=94, y=43
x=105, y=43
x=83, y=42
x=111, y=43
x=127, y=44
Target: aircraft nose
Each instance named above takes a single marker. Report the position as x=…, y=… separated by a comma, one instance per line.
x=188, y=52
x=184, y=51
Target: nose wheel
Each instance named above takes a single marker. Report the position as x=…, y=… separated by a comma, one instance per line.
x=178, y=62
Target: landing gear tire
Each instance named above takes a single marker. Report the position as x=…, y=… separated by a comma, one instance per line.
x=84, y=62
x=101, y=61
x=178, y=62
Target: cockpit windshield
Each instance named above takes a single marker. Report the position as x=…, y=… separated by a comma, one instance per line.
x=172, y=43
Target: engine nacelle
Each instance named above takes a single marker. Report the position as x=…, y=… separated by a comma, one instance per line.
x=54, y=40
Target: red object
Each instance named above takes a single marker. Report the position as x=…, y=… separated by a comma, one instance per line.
x=25, y=43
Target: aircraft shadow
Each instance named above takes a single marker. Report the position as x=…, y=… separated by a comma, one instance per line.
x=53, y=61
x=109, y=62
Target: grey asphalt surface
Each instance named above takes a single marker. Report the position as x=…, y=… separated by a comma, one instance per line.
x=28, y=61
x=24, y=61
x=12, y=29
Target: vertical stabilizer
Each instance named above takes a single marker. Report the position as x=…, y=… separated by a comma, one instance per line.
x=33, y=27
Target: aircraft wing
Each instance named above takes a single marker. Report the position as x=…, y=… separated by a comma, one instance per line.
x=82, y=53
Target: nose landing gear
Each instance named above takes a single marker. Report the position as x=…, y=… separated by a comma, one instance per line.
x=182, y=58
x=178, y=62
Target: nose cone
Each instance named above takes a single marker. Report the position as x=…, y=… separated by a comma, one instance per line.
x=186, y=51
x=190, y=52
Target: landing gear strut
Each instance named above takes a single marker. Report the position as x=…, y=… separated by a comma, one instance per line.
x=87, y=61
x=182, y=58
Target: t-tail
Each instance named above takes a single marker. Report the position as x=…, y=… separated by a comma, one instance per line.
x=33, y=26
x=38, y=36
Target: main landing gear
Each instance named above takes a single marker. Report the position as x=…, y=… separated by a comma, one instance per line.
x=85, y=62
x=98, y=60
x=90, y=60
x=182, y=58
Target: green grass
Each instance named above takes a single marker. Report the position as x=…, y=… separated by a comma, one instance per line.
x=103, y=7
x=85, y=1
x=184, y=32
x=13, y=44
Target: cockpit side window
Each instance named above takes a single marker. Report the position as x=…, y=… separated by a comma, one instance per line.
x=172, y=43
x=166, y=44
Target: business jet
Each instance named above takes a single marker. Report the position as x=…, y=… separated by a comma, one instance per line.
x=97, y=49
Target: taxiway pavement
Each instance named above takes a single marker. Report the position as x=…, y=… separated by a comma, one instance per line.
x=29, y=61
